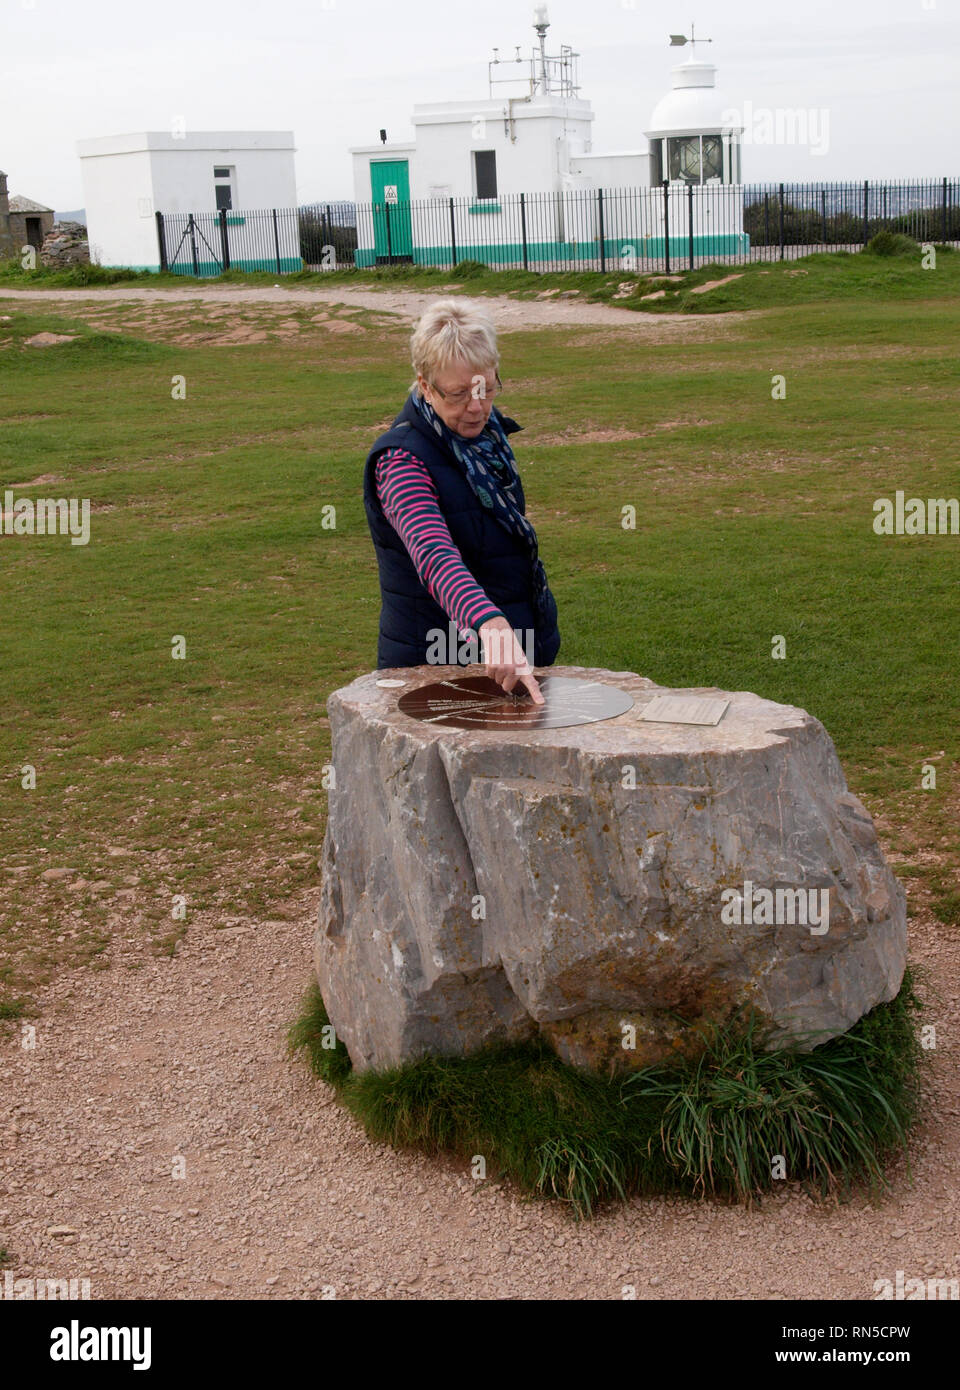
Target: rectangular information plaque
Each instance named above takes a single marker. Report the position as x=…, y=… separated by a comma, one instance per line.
x=684, y=709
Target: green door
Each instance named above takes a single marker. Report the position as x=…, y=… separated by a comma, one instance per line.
x=392, y=229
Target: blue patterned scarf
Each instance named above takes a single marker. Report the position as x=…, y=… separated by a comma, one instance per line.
x=491, y=470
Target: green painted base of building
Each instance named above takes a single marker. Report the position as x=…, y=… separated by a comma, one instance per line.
x=617, y=251
x=287, y=265
x=208, y=267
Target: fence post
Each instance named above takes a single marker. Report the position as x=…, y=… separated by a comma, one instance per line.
x=781, y=221
x=224, y=247
x=944, y=219
x=690, y=221
x=163, y=245
x=326, y=234
x=276, y=240
x=523, y=231
x=866, y=224
x=453, y=236
x=193, y=247
x=823, y=214
x=603, y=235
x=666, y=226
x=386, y=208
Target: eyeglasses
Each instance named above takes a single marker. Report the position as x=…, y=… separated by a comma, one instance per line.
x=481, y=391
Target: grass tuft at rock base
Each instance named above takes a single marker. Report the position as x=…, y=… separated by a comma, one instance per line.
x=733, y=1123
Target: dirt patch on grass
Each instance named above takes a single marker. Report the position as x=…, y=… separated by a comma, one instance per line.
x=402, y=306
x=48, y=339
x=597, y=435
x=668, y=328
x=44, y=478
x=715, y=284
x=220, y=325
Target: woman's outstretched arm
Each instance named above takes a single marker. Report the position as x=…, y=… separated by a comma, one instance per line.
x=411, y=505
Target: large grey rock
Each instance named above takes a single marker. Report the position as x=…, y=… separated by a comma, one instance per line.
x=605, y=904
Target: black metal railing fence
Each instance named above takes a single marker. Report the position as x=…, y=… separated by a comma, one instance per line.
x=669, y=226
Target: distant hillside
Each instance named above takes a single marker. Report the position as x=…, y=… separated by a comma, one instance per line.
x=79, y=216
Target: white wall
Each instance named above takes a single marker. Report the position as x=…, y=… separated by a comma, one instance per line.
x=127, y=178
x=118, y=196
x=532, y=149
x=630, y=169
x=533, y=152
x=265, y=177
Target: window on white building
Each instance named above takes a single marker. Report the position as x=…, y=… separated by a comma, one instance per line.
x=695, y=158
x=485, y=173
x=223, y=175
x=684, y=153
x=712, y=163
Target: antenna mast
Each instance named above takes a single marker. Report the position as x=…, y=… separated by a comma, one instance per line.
x=541, y=23
x=550, y=74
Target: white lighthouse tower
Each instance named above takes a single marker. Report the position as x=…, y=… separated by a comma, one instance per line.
x=691, y=139
x=694, y=154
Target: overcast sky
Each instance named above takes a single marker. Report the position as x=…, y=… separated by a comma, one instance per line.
x=881, y=77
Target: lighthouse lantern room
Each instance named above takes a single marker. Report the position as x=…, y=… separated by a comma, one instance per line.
x=690, y=135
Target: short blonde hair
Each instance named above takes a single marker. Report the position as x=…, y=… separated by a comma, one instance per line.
x=453, y=330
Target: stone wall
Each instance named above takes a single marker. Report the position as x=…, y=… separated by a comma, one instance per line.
x=65, y=245
x=8, y=245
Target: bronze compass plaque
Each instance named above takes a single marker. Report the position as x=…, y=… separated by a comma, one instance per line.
x=477, y=702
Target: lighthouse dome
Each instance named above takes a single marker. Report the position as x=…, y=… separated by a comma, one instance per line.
x=696, y=103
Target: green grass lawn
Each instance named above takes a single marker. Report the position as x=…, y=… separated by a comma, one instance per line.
x=753, y=520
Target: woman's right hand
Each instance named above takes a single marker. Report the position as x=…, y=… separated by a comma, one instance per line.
x=504, y=659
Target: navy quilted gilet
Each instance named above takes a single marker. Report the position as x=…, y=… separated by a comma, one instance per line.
x=498, y=561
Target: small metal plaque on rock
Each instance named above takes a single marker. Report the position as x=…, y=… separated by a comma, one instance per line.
x=684, y=709
x=477, y=702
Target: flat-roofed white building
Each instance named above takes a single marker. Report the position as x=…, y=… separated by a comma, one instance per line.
x=128, y=179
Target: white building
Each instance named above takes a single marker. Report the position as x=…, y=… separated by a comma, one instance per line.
x=455, y=189
x=128, y=179
x=689, y=141
x=697, y=153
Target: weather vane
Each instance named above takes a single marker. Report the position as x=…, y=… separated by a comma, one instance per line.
x=678, y=40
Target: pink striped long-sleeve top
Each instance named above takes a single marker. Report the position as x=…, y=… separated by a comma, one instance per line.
x=411, y=504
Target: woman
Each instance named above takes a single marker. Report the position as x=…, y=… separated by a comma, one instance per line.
x=446, y=511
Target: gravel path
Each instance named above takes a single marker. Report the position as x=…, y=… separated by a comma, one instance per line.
x=408, y=305
x=283, y=1196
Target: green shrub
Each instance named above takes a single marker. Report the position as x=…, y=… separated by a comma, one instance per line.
x=892, y=244
x=465, y=270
